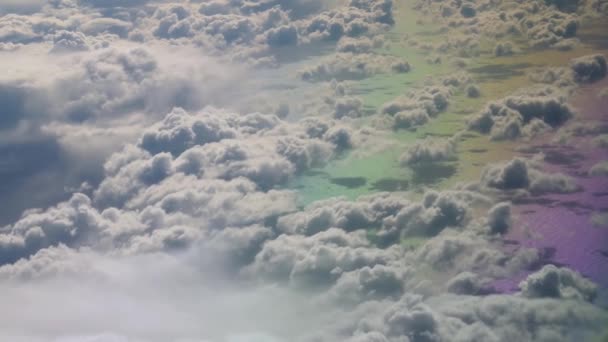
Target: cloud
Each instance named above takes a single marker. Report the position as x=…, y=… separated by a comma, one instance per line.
x=466, y=318
x=521, y=174
x=555, y=282
x=38, y=230
x=179, y=174
x=112, y=3
x=589, y=68
x=132, y=308
x=436, y=212
x=429, y=151
x=282, y=36
x=195, y=202
x=417, y=107
x=451, y=253
x=319, y=260
x=106, y=25
x=180, y=131
x=599, y=169
x=499, y=218
x=349, y=66
x=473, y=91
x=550, y=28
x=350, y=216
x=21, y=6
x=17, y=29
x=348, y=107
x=111, y=83
x=357, y=45
x=466, y=283
x=70, y=41
x=503, y=49
x=541, y=25
x=601, y=141
x=467, y=10
x=521, y=116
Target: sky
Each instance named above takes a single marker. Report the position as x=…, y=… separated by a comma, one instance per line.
x=303, y=170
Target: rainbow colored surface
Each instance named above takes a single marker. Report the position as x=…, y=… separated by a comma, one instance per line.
x=560, y=225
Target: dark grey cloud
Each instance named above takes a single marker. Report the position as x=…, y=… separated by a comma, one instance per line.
x=473, y=91
x=468, y=10
x=589, y=68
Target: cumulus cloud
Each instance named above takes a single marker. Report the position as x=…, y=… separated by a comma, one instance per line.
x=556, y=282
x=499, y=218
x=465, y=283
x=503, y=49
x=521, y=174
x=194, y=201
x=521, y=116
x=186, y=168
x=417, y=107
x=589, y=68
x=349, y=66
x=599, y=169
x=473, y=91
x=430, y=151
x=467, y=318
x=215, y=144
x=348, y=107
